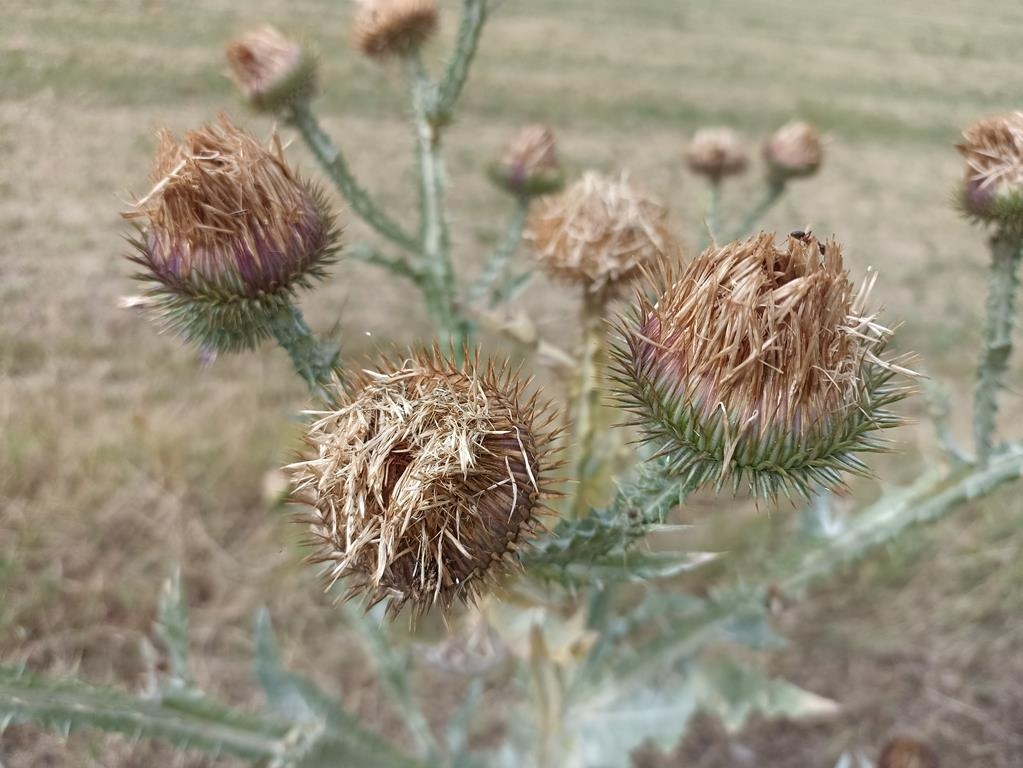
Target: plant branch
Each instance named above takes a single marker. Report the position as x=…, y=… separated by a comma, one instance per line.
x=712, y=219
x=772, y=193
x=333, y=162
x=474, y=14
x=399, y=266
x=314, y=361
x=505, y=250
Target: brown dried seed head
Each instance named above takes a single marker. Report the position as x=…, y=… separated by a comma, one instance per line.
x=424, y=478
x=529, y=165
x=271, y=70
x=716, y=153
x=993, y=184
x=794, y=150
x=600, y=232
x=387, y=28
x=907, y=753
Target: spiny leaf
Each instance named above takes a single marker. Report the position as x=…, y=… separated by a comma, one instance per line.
x=172, y=629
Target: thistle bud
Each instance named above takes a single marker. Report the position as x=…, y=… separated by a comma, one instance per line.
x=227, y=236
x=423, y=478
x=388, y=28
x=993, y=185
x=716, y=153
x=793, y=151
x=272, y=71
x=529, y=166
x=759, y=366
x=907, y=753
x=599, y=233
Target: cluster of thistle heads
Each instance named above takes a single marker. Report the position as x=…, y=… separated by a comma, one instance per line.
x=758, y=365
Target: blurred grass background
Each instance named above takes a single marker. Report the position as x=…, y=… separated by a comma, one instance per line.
x=120, y=455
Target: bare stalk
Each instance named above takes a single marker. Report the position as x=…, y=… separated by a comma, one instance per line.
x=772, y=193
x=505, y=250
x=713, y=217
x=474, y=14
x=313, y=360
x=1005, y=260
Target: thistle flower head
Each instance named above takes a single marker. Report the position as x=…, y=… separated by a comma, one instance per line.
x=716, y=153
x=793, y=151
x=529, y=165
x=388, y=28
x=759, y=366
x=227, y=235
x=423, y=478
x=599, y=233
x=271, y=71
x=993, y=185
x=907, y=753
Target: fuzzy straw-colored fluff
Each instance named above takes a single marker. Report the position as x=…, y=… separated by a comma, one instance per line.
x=794, y=150
x=423, y=478
x=993, y=185
x=228, y=233
x=271, y=70
x=600, y=232
x=716, y=153
x=759, y=365
x=387, y=28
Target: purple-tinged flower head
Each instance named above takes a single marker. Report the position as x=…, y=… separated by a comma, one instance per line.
x=992, y=189
x=529, y=165
x=272, y=71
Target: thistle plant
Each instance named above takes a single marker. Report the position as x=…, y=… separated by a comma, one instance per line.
x=429, y=479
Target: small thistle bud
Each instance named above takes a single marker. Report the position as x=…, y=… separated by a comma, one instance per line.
x=599, y=233
x=529, y=166
x=793, y=151
x=993, y=185
x=907, y=753
x=716, y=153
x=759, y=366
x=423, y=478
x=387, y=28
x=228, y=234
x=272, y=71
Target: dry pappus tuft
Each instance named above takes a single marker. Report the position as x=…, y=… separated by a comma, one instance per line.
x=716, y=153
x=759, y=365
x=907, y=753
x=600, y=232
x=793, y=151
x=424, y=478
x=529, y=166
x=993, y=186
x=387, y=28
x=228, y=234
x=271, y=70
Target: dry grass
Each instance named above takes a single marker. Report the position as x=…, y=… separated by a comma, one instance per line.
x=119, y=454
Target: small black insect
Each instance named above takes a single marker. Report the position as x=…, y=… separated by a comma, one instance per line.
x=799, y=234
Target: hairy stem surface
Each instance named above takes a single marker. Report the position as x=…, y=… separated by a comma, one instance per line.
x=474, y=14
x=772, y=194
x=314, y=361
x=495, y=268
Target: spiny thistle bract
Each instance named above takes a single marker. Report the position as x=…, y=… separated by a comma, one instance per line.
x=992, y=189
x=793, y=151
x=229, y=233
x=529, y=165
x=716, y=153
x=423, y=478
x=599, y=233
x=903, y=752
x=271, y=70
x=758, y=367
x=384, y=29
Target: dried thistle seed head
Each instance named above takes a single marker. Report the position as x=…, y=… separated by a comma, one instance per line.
x=759, y=366
x=599, y=233
x=993, y=185
x=907, y=753
x=716, y=153
x=272, y=71
x=529, y=165
x=227, y=235
x=387, y=28
x=423, y=478
x=793, y=151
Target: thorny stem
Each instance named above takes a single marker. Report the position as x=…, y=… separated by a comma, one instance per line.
x=505, y=250
x=474, y=14
x=314, y=361
x=713, y=216
x=1005, y=259
x=772, y=193
x=333, y=162
x=370, y=255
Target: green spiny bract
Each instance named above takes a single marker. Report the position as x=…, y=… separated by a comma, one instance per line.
x=758, y=368
x=992, y=188
x=272, y=71
x=230, y=233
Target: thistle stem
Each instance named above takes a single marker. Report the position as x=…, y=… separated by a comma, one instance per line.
x=713, y=215
x=505, y=250
x=1005, y=259
x=474, y=14
x=773, y=192
x=314, y=361
x=370, y=255
x=333, y=162
x=586, y=422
